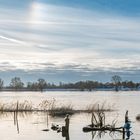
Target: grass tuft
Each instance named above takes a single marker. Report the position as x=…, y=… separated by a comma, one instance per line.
x=61, y=110
x=96, y=107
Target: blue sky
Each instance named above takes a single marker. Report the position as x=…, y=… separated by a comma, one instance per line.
x=62, y=40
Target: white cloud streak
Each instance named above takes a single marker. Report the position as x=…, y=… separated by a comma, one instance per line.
x=63, y=38
x=12, y=40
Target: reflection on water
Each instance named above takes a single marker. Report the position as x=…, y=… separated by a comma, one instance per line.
x=16, y=121
x=112, y=134
x=33, y=123
x=29, y=125
x=66, y=135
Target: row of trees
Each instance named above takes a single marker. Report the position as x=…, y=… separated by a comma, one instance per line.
x=17, y=84
x=116, y=83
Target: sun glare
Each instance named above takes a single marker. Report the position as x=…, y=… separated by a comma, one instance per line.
x=36, y=12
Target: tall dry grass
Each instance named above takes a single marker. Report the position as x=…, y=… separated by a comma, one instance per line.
x=52, y=107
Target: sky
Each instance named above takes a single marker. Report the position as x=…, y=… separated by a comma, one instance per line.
x=68, y=41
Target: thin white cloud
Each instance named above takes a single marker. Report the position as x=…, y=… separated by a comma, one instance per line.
x=11, y=39
x=68, y=39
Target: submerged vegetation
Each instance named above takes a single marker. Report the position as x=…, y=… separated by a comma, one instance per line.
x=62, y=110
x=98, y=123
x=96, y=107
x=16, y=106
x=52, y=107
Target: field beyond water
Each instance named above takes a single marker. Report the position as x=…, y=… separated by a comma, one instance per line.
x=30, y=124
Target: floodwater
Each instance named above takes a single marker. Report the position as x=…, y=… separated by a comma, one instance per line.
x=30, y=125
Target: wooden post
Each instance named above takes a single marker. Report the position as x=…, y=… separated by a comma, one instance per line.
x=92, y=123
x=65, y=129
x=67, y=121
x=16, y=117
x=123, y=133
x=126, y=116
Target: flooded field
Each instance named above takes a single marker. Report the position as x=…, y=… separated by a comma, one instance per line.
x=31, y=124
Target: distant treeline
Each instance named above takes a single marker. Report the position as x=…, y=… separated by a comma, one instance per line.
x=116, y=83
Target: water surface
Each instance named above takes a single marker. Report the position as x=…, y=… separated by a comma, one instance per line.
x=32, y=124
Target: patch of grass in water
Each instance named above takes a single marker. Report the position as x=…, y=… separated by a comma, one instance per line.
x=95, y=107
x=16, y=106
x=52, y=107
x=62, y=110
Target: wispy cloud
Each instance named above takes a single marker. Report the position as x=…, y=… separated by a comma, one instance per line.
x=50, y=37
x=12, y=40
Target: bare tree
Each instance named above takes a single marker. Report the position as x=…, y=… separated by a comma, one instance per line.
x=16, y=83
x=41, y=84
x=116, y=79
x=1, y=84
